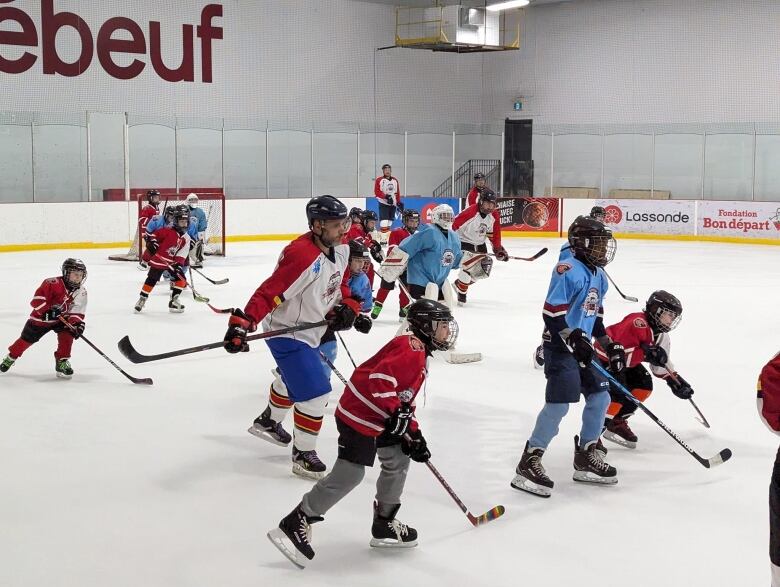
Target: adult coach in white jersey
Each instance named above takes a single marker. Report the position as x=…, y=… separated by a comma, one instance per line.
x=387, y=191
x=309, y=284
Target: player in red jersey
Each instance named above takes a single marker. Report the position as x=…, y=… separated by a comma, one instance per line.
x=411, y=221
x=169, y=252
x=645, y=337
x=363, y=232
x=149, y=211
x=474, y=226
x=375, y=418
x=387, y=191
x=768, y=404
x=479, y=185
x=55, y=300
x=308, y=285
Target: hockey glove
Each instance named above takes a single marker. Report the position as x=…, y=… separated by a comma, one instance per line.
x=580, y=346
x=239, y=325
x=77, y=329
x=176, y=272
x=680, y=388
x=414, y=446
x=617, y=357
x=655, y=355
x=376, y=251
x=400, y=206
x=151, y=243
x=501, y=254
x=389, y=200
x=53, y=313
x=363, y=324
x=398, y=422
x=342, y=316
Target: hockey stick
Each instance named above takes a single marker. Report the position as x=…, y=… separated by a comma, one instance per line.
x=127, y=349
x=617, y=289
x=196, y=296
x=718, y=459
x=490, y=515
x=220, y=310
x=531, y=258
x=346, y=349
x=207, y=278
x=137, y=380
x=701, y=419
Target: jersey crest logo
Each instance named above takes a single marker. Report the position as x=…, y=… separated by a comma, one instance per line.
x=333, y=284
x=482, y=229
x=406, y=396
x=317, y=266
x=591, y=303
x=562, y=268
x=416, y=344
x=447, y=258
x=172, y=250
x=640, y=323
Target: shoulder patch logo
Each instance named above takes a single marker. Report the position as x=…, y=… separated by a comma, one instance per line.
x=416, y=344
x=640, y=323
x=562, y=268
x=317, y=265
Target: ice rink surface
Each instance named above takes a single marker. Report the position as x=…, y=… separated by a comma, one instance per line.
x=103, y=482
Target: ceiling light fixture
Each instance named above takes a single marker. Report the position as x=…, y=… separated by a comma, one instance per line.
x=507, y=5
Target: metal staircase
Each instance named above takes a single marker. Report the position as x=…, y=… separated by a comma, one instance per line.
x=464, y=178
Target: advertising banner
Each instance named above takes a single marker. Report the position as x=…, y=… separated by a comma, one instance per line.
x=529, y=214
x=422, y=205
x=748, y=220
x=650, y=216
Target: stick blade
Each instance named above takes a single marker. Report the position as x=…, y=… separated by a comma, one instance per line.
x=719, y=458
x=142, y=381
x=127, y=350
x=221, y=281
x=488, y=516
x=539, y=254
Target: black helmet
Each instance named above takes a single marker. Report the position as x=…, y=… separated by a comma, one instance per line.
x=180, y=212
x=591, y=241
x=479, y=175
x=598, y=213
x=486, y=195
x=386, y=166
x=355, y=214
x=151, y=194
x=410, y=214
x=358, y=250
x=325, y=208
x=661, y=302
x=424, y=317
x=73, y=265
x=369, y=215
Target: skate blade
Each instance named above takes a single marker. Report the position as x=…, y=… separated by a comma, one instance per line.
x=176, y=310
x=607, y=435
x=391, y=543
x=306, y=474
x=461, y=358
x=137, y=310
x=279, y=540
x=588, y=477
x=263, y=435
x=523, y=484
x=63, y=376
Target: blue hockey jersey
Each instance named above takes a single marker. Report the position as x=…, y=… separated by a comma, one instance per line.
x=159, y=221
x=431, y=255
x=360, y=287
x=198, y=218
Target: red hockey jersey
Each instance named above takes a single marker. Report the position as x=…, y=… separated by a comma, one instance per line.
x=473, y=228
x=471, y=197
x=768, y=399
x=394, y=375
x=173, y=248
x=396, y=236
x=52, y=292
x=358, y=233
x=147, y=213
x=632, y=332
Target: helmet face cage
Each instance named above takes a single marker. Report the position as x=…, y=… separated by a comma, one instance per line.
x=442, y=216
x=439, y=340
x=600, y=250
x=71, y=266
x=598, y=213
x=664, y=311
x=192, y=200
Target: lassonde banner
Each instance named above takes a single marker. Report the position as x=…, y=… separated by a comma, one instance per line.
x=650, y=216
x=749, y=220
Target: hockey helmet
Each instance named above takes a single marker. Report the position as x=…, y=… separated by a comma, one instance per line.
x=70, y=266
x=591, y=241
x=427, y=320
x=663, y=310
x=442, y=216
x=410, y=215
x=325, y=208
x=598, y=213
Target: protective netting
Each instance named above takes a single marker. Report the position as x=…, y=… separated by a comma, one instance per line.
x=212, y=204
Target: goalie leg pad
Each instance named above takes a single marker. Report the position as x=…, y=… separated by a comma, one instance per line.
x=394, y=264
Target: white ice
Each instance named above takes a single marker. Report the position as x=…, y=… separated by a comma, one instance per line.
x=103, y=482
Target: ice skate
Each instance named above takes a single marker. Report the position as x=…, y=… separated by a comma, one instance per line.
x=267, y=429
x=619, y=432
x=589, y=465
x=376, y=310
x=538, y=358
x=139, y=305
x=307, y=464
x=6, y=364
x=387, y=532
x=293, y=537
x=175, y=306
x=142, y=266
x=461, y=299
x=530, y=474
x=63, y=368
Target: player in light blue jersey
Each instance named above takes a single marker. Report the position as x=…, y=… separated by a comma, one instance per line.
x=200, y=223
x=573, y=315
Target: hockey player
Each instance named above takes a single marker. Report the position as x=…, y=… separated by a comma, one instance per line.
x=411, y=221
x=173, y=246
x=573, y=314
x=200, y=223
x=598, y=213
x=149, y=211
x=474, y=225
x=645, y=337
x=375, y=418
x=355, y=215
x=768, y=403
x=387, y=191
x=364, y=232
x=360, y=289
x=479, y=185
x=57, y=300
x=309, y=284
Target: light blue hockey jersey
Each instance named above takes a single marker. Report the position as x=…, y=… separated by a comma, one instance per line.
x=159, y=221
x=360, y=286
x=198, y=218
x=431, y=255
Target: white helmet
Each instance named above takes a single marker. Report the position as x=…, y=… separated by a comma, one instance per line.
x=442, y=216
x=192, y=199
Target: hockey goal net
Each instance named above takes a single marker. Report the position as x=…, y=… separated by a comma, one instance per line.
x=212, y=204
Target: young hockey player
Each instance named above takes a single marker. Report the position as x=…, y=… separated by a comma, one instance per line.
x=172, y=247
x=645, y=337
x=573, y=315
x=200, y=224
x=149, y=211
x=387, y=191
x=308, y=285
x=360, y=289
x=474, y=226
x=364, y=232
x=479, y=185
x=375, y=418
x=56, y=299
x=411, y=221
x=768, y=404
x=598, y=213
x=355, y=215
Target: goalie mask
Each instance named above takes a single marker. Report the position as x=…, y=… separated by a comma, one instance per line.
x=433, y=324
x=663, y=311
x=442, y=216
x=192, y=200
x=74, y=273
